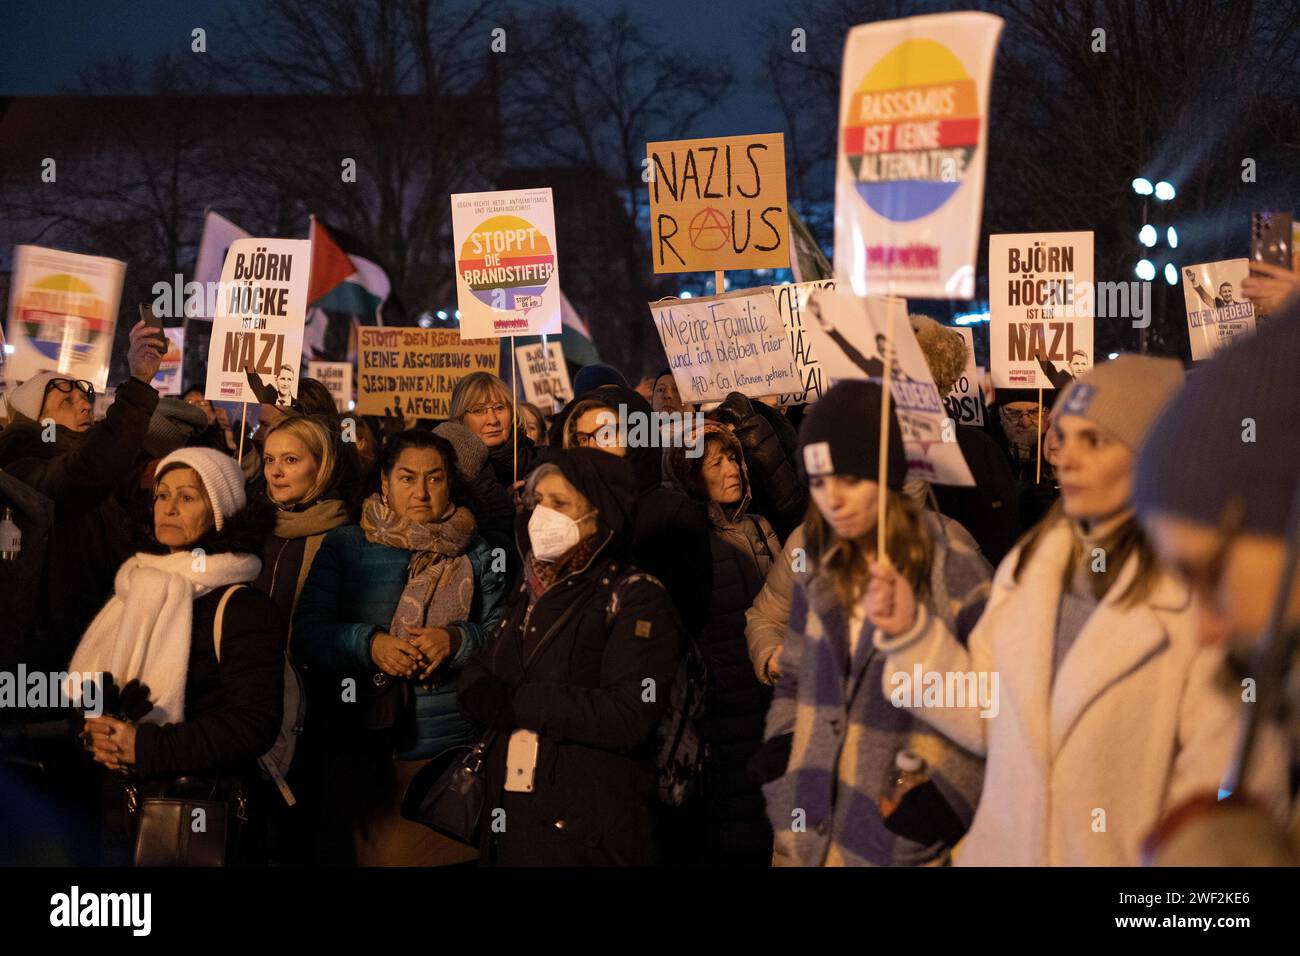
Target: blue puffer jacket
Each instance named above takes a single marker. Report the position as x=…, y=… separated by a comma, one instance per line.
x=350, y=595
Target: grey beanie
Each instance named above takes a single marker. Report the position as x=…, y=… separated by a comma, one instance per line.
x=471, y=453
x=1123, y=396
x=1233, y=434
x=173, y=424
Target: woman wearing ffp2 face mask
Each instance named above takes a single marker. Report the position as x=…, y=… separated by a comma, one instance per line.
x=578, y=678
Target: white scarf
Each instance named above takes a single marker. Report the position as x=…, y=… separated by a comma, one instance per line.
x=143, y=632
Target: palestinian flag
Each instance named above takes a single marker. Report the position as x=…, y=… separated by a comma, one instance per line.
x=808, y=261
x=575, y=339
x=347, y=288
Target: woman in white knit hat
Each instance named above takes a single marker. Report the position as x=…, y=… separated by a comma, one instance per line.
x=1106, y=709
x=206, y=715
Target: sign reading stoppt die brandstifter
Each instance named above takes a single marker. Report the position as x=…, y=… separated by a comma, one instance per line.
x=507, y=266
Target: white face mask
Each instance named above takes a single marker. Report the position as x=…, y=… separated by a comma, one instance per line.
x=552, y=533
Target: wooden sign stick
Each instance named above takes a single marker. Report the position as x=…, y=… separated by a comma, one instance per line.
x=719, y=282
x=514, y=398
x=243, y=427
x=882, y=491
x=1038, y=470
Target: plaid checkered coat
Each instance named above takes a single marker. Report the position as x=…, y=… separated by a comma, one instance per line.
x=825, y=809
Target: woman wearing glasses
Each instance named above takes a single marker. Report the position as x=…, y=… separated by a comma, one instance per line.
x=82, y=466
x=482, y=403
x=1107, y=713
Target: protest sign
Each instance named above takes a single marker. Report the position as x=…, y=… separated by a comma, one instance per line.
x=62, y=314
x=719, y=344
x=1040, y=308
x=1216, y=316
x=909, y=184
x=256, y=348
x=964, y=404
x=791, y=301
x=337, y=377
x=848, y=334
x=507, y=266
x=718, y=204
x=168, y=378
x=411, y=372
x=544, y=375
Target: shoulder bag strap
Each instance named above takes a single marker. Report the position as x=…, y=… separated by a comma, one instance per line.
x=216, y=623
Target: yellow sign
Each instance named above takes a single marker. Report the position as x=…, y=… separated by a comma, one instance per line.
x=718, y=204
x=412, y=371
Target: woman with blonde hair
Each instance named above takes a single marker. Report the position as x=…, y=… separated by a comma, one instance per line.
x=303, y=465
x=482, y=403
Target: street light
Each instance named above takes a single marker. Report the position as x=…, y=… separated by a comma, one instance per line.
x=1172, y=236
x=1171, y=273
x=1146, y=270
x=1147, y=235
x=1142, y=186
x=1164, y=191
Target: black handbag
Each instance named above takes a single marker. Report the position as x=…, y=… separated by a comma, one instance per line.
x=448, y=793
x=187, y=824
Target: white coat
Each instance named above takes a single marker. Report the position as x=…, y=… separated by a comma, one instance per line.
x=1080, y=769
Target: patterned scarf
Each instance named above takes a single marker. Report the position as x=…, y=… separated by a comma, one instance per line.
x=540, y=575
x=439, y=578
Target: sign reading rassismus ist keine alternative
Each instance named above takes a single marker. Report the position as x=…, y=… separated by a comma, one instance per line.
x=909, y=183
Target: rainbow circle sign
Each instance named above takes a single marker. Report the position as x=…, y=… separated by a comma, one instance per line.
x=62, y=314
x=507, y=266
x=912, y=152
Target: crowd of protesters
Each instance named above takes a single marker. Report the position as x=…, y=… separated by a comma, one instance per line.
x=679, y=652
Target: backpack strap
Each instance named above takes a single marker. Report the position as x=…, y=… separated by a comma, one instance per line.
x=221, y=611
x=616, y=591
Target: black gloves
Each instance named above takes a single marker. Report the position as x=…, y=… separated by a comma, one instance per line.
x=489, y=702
x=129, y=703
x=771, y=760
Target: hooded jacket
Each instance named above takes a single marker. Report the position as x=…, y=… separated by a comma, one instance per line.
x=743, y=548
x=84, y=474
x=670, y=534
x=575, y=663
x=770, y=443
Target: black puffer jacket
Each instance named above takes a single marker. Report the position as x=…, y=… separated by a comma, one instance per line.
x=91, y=477
x=990, y=510
x=507, y=461
x=743, y=548
x=20, y=578
x=771, y=445
x=572, y=666
x=670, y=535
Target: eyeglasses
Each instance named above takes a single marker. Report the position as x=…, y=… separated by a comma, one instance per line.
x=485, y=407
x=66, y=385
x=585, y=439
x=1013, y=414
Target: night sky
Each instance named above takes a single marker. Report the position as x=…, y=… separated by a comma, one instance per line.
x=47, y=42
